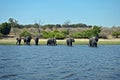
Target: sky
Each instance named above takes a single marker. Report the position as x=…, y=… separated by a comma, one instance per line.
x=91, y=12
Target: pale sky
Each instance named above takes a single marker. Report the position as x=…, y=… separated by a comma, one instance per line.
x=91, y=12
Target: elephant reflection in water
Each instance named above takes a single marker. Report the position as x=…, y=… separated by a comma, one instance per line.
x=18, y=40
x=52, y=42
x=93, y=41
x=69, y=41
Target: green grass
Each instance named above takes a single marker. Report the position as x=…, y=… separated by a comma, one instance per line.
x=63, y=42
x=109, y=42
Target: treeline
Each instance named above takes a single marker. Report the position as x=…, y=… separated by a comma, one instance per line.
x=59, y=31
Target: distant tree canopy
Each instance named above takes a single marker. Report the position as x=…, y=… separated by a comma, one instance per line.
x=1, y=35
x=50, y=26
x=25, y=33
x=59, y=31
x=87, y=33
x=53, y=34
x=116, y=33
x=14, y=23
x=5, y=28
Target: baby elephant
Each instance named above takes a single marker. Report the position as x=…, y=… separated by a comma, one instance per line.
x=93, y=41
x=18, y=41
x=51, y=42
x=70, y=41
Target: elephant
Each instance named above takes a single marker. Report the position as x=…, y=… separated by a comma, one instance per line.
x=27, y=40
x=36, y=40
x=93, y=41
x=69, y=41
x=24, y=40
x=51, y=42
x=18, y=41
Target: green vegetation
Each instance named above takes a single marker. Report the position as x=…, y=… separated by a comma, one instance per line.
x=87, y=33
x=62, y=31
x=56, y=34
x=1, y=35
x=61, y=42
x=25, y=33
x=116, y=33
x=58, y=31
x=5, y=28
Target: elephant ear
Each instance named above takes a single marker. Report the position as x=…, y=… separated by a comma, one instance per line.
x=96, y=38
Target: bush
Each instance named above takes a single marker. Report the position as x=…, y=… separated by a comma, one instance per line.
x=96, y=30
x=5, y=28
x=60, y=35
x=1, y=35
x=45, y=34
x=116, y=34
x=76, y=35
x=48, y=34
x=104, y=36
x=25, y=33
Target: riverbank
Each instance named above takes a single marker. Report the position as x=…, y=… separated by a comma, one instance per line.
x=12, y=41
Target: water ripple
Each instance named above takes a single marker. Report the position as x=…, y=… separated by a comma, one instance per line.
x=8, y=76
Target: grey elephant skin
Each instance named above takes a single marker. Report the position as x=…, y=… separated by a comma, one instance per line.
x=93, y=41
x=70, y=41
x=36, y=40
x=51, y=42
x=18, y=41
x=27, y=40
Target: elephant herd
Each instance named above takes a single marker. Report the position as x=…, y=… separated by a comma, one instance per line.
x=52, y=41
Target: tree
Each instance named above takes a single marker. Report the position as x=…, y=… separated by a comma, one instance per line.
x=116, y=34
x=38, y=26
x=5, y=28
x=1, y=35
x=59, y=35
x=96, y=30
x=45, y=34
x=14, y=25
x=76, y=35
x=25, y=33
x=11, y=20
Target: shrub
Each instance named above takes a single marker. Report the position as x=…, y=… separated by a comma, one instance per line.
x=103, y=35
x=76, y=35
x=5, y=28
x=25, y=33
x=116, y=34
x=60, y=35
x=1, y=35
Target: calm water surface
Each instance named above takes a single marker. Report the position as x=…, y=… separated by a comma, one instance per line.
x=60, y=62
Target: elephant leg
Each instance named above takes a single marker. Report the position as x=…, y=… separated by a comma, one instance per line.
x=67, y=43
x=70, y=43
x=16, y=42
x=29, y=43
x=19, y=42
x=48, y=42
x=36, y=42
x=90, y=44
x=95, y=45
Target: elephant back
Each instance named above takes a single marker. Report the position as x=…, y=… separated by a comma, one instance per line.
x=28, y=38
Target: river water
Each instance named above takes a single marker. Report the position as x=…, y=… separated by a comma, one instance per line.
x=61, y=62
